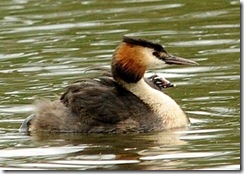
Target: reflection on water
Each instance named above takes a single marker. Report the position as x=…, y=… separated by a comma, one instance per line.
x=47, y=45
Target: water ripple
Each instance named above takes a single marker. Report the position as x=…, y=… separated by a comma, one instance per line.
x=184, y=155
x=55, y=27
x=16, y=109
x=16, y=55
x=208, y=14
x=216, y=26
x=219, y=51
x=205, y=42
x=39, y=151
x=96, y=162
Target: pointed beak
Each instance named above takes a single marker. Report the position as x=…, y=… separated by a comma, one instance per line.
x=178, y=61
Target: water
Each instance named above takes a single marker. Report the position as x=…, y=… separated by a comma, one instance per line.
x=46, y=45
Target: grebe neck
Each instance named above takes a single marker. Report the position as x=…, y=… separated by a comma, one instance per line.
x=161, y=104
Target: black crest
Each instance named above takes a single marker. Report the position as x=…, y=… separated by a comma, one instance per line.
x=143, y=43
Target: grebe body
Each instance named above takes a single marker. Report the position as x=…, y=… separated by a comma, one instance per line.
x=127, y=102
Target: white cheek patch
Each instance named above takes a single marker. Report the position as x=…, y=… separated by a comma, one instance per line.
x=157, y=63
x=152, y=61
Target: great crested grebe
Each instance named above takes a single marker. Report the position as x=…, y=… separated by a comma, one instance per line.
x=125, y=103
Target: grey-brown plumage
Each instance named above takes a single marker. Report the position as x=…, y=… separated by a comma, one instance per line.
x=93, y=106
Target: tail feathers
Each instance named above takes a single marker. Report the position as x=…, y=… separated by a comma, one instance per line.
x=49, y=116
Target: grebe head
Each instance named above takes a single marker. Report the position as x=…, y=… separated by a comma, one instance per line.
x=134, y=56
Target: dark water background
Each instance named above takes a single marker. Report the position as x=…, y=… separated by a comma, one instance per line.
x=47, y=44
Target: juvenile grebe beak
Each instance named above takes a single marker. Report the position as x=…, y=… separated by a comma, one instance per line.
x=170, y=59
